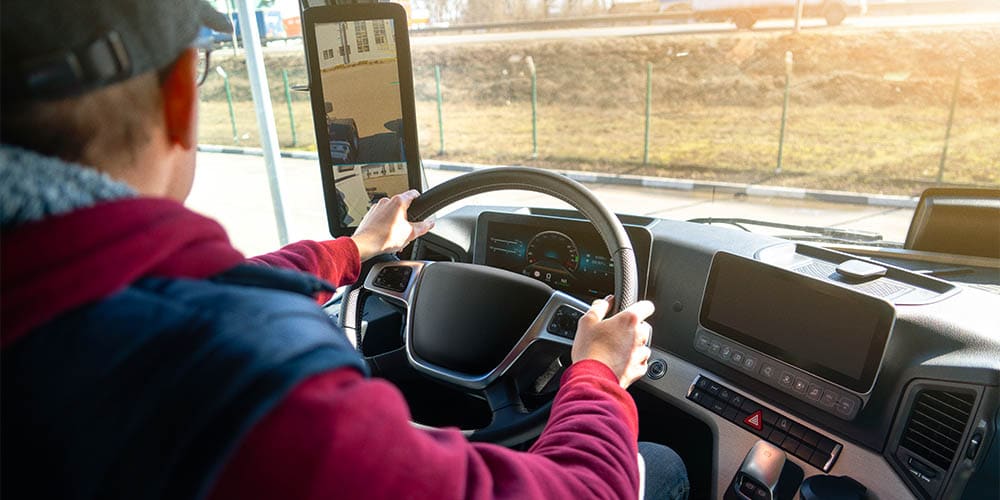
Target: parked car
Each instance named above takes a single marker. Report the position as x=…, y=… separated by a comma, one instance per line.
x=745, y=13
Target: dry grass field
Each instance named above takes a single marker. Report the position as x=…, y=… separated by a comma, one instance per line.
x=868, y=110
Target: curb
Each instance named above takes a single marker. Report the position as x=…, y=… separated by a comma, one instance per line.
x=754, y=190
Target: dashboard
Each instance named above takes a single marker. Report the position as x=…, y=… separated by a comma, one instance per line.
x=890, y=378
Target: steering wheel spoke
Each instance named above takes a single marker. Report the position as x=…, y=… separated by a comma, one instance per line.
x=395, y=280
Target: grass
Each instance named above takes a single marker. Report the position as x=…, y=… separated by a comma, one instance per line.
x=890, y=150
x=868, y=108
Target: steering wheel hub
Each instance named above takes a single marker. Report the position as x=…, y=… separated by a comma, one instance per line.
x=466, y=318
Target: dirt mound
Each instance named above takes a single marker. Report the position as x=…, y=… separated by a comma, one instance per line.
x=838, y=66
x=845, y=67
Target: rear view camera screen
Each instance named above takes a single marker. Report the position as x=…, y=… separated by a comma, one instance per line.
x=364, y=116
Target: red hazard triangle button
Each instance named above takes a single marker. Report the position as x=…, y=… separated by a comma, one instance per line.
x=754, y=420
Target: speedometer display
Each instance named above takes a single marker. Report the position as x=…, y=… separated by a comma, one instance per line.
x=553, y=249
x=567, y=255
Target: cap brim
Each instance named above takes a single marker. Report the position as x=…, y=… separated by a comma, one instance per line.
x=215, y=19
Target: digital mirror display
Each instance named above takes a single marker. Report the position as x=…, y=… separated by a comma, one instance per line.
x=363, y=113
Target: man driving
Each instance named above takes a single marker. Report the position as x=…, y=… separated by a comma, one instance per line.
x=144, y=357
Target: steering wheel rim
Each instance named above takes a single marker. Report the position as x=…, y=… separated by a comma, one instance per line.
x=608, y=227
x=509, y=425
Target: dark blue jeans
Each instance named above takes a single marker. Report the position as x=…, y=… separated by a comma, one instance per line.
x=666, y=476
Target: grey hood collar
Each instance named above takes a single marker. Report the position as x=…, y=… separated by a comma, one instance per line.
x=34, y=187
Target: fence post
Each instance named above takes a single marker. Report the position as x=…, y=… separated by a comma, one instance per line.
x=288, y=100
x=784, y=110
x=229, y=100
x=437, y=80
x=649, y=110
x=951, y=119
x=534, y=106
x=798, y=15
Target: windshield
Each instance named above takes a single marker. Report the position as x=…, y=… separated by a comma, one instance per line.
x=664, y=108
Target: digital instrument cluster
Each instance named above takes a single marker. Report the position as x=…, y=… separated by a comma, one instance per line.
x=568, y=256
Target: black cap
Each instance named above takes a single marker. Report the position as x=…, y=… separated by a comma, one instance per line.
x=61, y=48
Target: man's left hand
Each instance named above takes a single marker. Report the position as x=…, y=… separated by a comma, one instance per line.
x=385, y=229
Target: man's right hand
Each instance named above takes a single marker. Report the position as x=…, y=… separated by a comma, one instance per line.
x=619, y=341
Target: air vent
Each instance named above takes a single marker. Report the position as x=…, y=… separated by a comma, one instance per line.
x=432, y=252
x=937, y=423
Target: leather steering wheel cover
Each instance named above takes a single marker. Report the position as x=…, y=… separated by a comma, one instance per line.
x=559, y=186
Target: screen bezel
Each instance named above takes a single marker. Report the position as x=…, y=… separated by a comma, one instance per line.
x=359, y=12
x=876, y=348
x=641, y=237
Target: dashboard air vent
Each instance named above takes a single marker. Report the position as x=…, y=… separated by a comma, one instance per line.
x=432, y=252
x=937, y=423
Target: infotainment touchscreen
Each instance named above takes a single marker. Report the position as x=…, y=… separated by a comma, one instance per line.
x=832, y=332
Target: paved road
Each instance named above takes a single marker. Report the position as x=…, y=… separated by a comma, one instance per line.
x=233, y=189
x=368, y=93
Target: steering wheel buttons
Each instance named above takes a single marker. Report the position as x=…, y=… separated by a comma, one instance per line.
x=394, y=278
x=564, y=322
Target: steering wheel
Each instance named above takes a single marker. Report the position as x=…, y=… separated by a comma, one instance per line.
x=469, y=325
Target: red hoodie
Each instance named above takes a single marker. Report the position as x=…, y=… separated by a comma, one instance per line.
x=337, y=434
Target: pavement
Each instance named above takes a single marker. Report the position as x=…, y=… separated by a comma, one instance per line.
x=233, y=189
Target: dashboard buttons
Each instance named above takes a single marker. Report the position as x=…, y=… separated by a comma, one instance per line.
x=714, y=388
x=701, y=342
x=755, y=420
x=829, y=399
x=814, y=392
x=800, y=385
x=784, y=424
x=736, y=400
x=724, y=395
x=714, y=348
x=657, y=369
x=809, y=446
x=845, y=406
x=786, y=378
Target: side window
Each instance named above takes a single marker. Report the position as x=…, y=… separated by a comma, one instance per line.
x=378, y=29
x=361, y=36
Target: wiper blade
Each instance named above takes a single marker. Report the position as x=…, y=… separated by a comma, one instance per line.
x=834, y=233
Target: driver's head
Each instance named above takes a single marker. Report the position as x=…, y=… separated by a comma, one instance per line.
x=110, y=84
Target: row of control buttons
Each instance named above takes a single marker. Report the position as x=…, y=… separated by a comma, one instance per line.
x=394, y=278
x=752, y=490
x=806, y=444
x=564, y=322
x=787, y=379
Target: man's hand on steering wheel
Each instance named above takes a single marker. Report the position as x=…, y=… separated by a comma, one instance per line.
x=385, y=228
x=619, y=341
